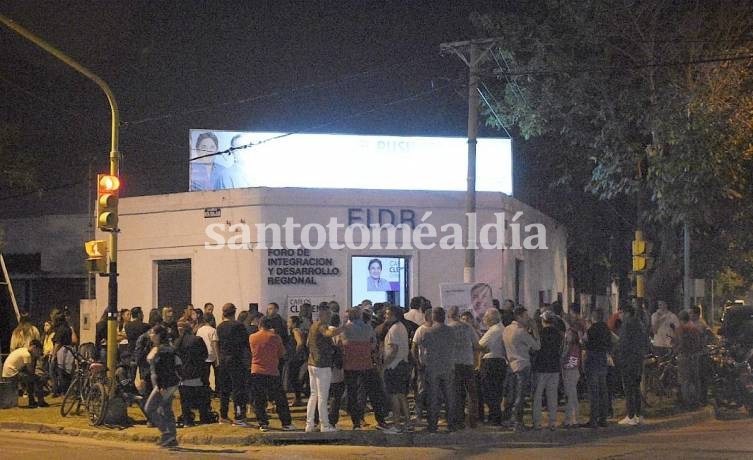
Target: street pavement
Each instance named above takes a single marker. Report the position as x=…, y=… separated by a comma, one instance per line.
x=710, y=439
x=48, y=420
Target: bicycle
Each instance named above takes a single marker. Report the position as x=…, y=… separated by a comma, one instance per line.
x=661, y=378
x=88, y=389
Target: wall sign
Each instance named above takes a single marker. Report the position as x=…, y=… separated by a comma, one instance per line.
x=298, y=266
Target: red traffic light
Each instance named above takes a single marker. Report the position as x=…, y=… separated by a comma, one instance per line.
x=107, y=202
x=108, y=183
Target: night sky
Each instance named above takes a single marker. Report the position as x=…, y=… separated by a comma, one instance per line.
x=362, y=67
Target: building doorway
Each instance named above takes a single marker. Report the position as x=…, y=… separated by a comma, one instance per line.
x=173, y=284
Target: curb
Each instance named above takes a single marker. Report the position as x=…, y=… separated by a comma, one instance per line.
x=480, y=436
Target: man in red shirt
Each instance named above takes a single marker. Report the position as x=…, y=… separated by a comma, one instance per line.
x=266, y=352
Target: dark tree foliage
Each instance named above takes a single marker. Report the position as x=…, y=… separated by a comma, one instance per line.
x=647, y=109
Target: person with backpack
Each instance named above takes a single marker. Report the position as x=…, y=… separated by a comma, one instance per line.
x=165, y=366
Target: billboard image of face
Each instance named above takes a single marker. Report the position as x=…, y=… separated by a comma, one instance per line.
x=476, y=298
x=379, y=279
x=481, y=300
x=230, y=159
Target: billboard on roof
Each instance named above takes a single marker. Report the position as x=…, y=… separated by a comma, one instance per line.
x=231, y=159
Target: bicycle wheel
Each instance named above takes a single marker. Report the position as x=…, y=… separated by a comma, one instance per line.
x=96, y=404
x=651, y=390
x=72, y=398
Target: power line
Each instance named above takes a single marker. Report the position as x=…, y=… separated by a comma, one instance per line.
x=270, y=95
x=635, y=66
x=43, y=190
x=513, y=83
x=494, y=112
x=351, y=116
x=80, y=116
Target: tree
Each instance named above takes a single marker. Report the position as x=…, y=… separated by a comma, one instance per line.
x=649, y=102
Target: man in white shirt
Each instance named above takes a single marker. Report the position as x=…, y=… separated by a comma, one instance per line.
x=19, y=367
x=520, y=338
x=208, y=334
x=493, y=366
x=396, y=366
x=663, y=326
x=415, y=314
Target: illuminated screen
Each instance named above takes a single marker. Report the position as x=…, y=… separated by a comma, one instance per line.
x=379, y=279
x=345, y=161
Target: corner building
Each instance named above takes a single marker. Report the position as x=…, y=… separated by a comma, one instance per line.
x=163, y=258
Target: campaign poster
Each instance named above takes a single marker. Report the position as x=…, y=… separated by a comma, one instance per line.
x=379, y=279
x=294, y=302
x=476, y=297
x=235, y=159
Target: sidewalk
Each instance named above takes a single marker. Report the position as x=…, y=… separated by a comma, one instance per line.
x=48, y=420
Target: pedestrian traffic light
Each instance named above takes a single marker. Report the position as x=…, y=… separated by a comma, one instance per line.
x=96, y=250
x=107, y=202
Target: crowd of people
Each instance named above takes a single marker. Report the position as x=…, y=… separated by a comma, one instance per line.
x=464, y=371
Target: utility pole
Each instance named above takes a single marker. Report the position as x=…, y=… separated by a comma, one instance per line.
x=686, y=280
x=472, y=53
x=112, y=305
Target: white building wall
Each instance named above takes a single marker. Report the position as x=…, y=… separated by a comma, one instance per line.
x=173, y=226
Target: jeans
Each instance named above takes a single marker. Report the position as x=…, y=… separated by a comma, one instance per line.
x=319, y=381
x=232, y=378
x=549, y=382
x=465, y=385
x=194, y=398
x=31, y=383
x=521, y=386
x=294, y=382
x=597, y=393
x=688, y=366
x=159, y=410
x=422, y=397
x=365, y=382
x=265, y=388
x=631, y=380
x=570, y=379
x=440, y=385
x=336, y=390
x=493, y=372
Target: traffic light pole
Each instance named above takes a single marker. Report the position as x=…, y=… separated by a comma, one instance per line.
x=112, y=299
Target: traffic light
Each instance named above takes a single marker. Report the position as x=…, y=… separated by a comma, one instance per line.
x=97, y=252
x=642, y=260
x=107, y=202
x=639, y=255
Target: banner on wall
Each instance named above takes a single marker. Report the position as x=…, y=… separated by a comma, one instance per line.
x=294, y=302
x=476, y=297
x=233, y=159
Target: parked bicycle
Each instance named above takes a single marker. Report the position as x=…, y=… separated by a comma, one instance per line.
x=661, y=379
x=88, y=389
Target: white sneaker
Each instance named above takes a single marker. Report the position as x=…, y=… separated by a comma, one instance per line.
x=634, y=421
x=290, y=427
x=328, y=429
x=311, y=429
x=625, y=421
